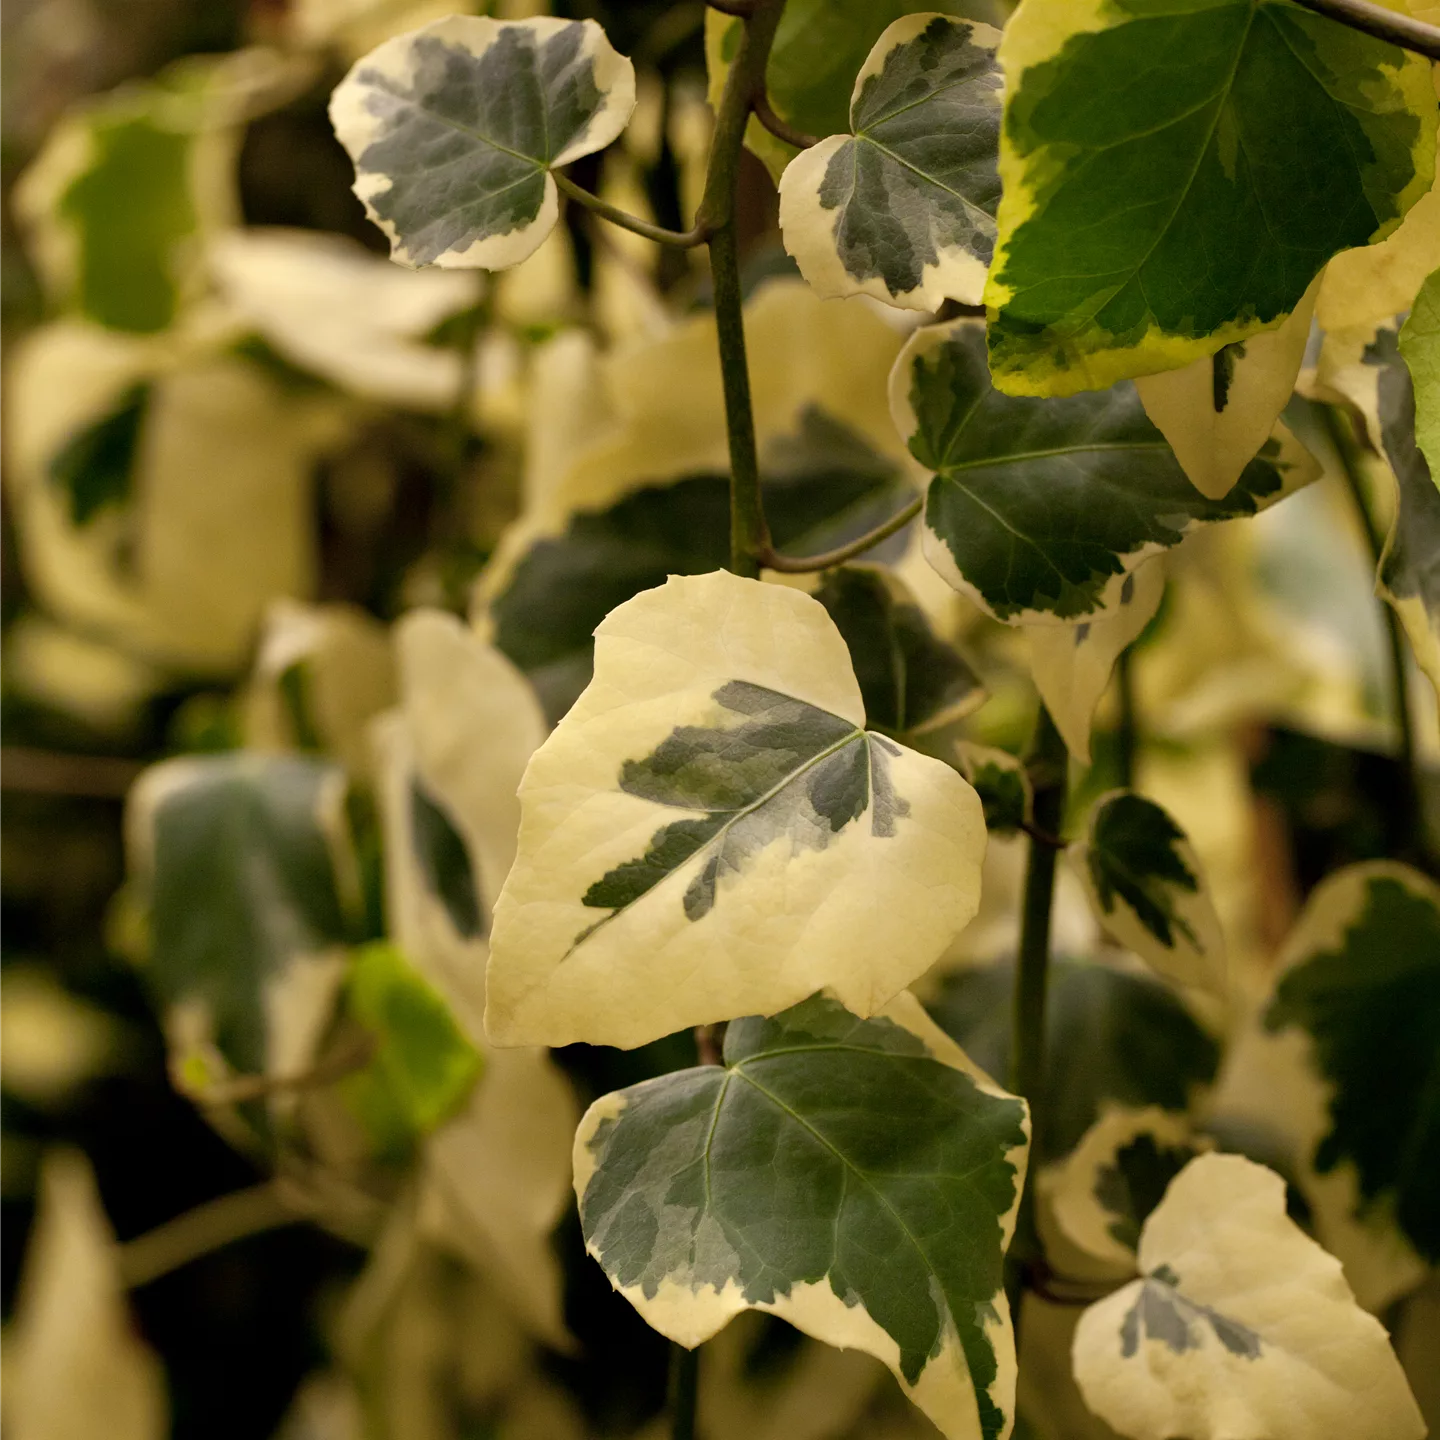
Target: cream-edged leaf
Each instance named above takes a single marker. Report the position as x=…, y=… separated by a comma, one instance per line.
x=1145, y=884
x=858, y=1178
x=454, y=130
x=1102, y=1193
x=1040, y=510
x=1241, y=1326
x=1420, y=347
x=713, y=805
x=1002, y=783
x=240, y=862
x=1361, y=979
x=75, y=1369
x=1217, y=412
x=331, y=307
x=1244, y=145
x=903, y=207
x=1072, y=664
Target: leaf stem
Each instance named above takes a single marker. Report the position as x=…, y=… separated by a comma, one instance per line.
x=749, y=534
x=1401, y=30
x=680, y=239
x=781, y=129
x=684, y=1391
x=1342, y=434
x=771, y=558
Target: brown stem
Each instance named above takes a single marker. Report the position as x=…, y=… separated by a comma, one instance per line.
x=680, y=239
x=1401, y=30
x=772, y=559
x=239, y=1089
x=781, y=129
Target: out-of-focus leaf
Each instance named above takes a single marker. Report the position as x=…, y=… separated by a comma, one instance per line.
x=709, y=804
x=903, y=206
x=1241, y=1324
x=1002, y=783
x=454, y=130
x=51, y=1041
x=74, y=1367
x=236, y=858
x=879, y=1217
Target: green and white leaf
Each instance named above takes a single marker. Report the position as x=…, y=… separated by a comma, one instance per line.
x=1072, y=664
x=455, y=128
x=421, y=1068
x=1218, y=411
x=713, y=805
x=329, y=306
x=1102, y=1193
x=819, y=50
x=1112, y=1038
x=1241, y=1326
x=1040, y=510
x=1420, y=347
x=452, y=757
x=858, y=1178
x=1247, y=143
x=1002, y=783
x=1360, y=982
x=910, y=680
x=1148, y=892
x=903, y=206
x=240, y=862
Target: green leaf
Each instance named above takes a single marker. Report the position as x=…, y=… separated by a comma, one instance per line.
x=1147, y=890
x=859, y=1178
x=95, y=466
x=903, y=206
x=422, y=1067
x=1362, y=980
x=1239, y=145
x=1241, y=1325
x=1420, y=345
x=455, y=128
x=1110, y=1039
x=823, y=486
x=714, y=805
x=236, y=857
x=1002, y=783
x=910, y=679
x=1105, y=1189
x=1040, y=510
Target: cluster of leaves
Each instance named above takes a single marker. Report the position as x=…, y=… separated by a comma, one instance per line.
x=398, y=916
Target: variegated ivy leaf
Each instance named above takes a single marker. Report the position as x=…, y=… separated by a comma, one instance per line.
x=1248, y=142
x=1071, y=664
x=823, y=485
x=421, y=1066
x=1361, y=981
x=910, y=680
x=1002, y=783
x=858, y=1178
x=1040, y=510
x=1408, y=402
x=903, y=207
x=455, y=128
x=818, y=52
x=1105, y=1189
x=1111, y=1038
x=713, y=807
x=240, y=863
x=1148, y=892
x=1219, y=410
x=1241, y=1325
